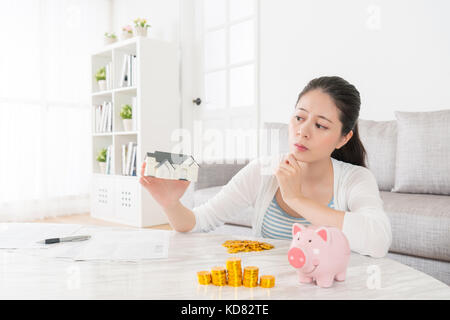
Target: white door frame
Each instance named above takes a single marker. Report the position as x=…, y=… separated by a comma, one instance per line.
x=191, y=70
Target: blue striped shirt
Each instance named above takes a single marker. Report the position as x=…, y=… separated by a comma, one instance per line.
x=277, y=224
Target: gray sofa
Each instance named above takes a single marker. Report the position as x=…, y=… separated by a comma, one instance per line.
x=420, y=220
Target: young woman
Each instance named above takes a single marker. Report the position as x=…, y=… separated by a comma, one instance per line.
x=322, y=180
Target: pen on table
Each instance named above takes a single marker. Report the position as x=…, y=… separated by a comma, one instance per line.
x=65, y=239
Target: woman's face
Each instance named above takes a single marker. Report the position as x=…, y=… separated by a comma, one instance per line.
x=315, y=124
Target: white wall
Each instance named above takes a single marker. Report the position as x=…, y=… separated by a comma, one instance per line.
x=162, y=15
x=173, y=21
x=397, y=53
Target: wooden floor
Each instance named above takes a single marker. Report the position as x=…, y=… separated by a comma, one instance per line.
x=86, y=219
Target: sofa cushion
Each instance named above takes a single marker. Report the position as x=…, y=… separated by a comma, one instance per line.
x=240, y=218
x=436, y=269
x=423, y=152
x=420, y=224
x=380, y=141
x=218, y=173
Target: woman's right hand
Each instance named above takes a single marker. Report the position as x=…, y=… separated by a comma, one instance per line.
x=166, y=192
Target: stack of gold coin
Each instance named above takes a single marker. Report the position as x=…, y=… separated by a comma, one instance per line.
x=234, y=272
x=219, y=276
x=250, y=277
x=204, y=277
x=235, y=246
x=267, y=281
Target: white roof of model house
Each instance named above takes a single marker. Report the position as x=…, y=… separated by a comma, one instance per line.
x=171, y=158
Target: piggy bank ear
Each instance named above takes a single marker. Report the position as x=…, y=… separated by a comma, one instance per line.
x=323, y=233
x=296, y=228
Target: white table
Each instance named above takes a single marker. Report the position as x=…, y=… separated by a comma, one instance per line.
x=26, y=276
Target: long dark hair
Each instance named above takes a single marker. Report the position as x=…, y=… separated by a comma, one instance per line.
x=348, y=101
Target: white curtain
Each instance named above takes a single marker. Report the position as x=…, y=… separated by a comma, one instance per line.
x=45, y=128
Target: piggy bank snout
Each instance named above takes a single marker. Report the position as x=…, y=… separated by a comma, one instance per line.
x=296, y=257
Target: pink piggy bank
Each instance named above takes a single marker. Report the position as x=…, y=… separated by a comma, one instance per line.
x=319, y=253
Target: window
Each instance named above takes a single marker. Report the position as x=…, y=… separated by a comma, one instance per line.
x=44, y=105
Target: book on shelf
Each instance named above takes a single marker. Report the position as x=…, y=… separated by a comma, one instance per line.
x=124, y=156
x=129, y=153
x=134, y=111
x=123, y=78
x=133, y=161
x=103, y=117
x=108, y=68
x=109, y=152
x=129, y=67
x=128, y=75
x=134, y=77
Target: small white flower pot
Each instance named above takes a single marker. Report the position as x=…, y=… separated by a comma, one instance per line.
x=127, y=124
x=140, y=31
x=102, y=166
x=126, y=35
x=108, y=40
x=102, y=85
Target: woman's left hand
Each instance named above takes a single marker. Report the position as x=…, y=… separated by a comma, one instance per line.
x=288, y=175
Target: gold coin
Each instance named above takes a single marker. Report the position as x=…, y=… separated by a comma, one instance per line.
x=232, y=261
x=204, y=277
x=234, y=271
x=235, y=246
x=250, y=284
x=218, y=269
x=219, y=276
x=234, y=265
x=233, y=275
x=267, y=281
x=250, y=276
x=251, y=269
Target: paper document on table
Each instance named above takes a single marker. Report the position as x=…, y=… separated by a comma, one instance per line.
x=25, y=235
x=126, y=245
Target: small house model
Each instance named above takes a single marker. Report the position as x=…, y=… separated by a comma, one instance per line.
x=171, y=166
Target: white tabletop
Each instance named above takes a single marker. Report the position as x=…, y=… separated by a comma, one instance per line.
x=29, y=276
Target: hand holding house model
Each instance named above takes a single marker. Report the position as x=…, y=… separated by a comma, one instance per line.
x=171, y=166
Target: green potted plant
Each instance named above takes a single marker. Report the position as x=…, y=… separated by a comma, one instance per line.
x=109, y=37
x=101, y=159
x=127, y=117
x=100, y=77
x=140, y=27
x=127, y=32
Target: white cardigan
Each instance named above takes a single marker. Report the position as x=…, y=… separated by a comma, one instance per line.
x=366, y=225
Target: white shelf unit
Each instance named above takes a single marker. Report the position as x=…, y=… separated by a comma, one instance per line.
x=116, y=197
